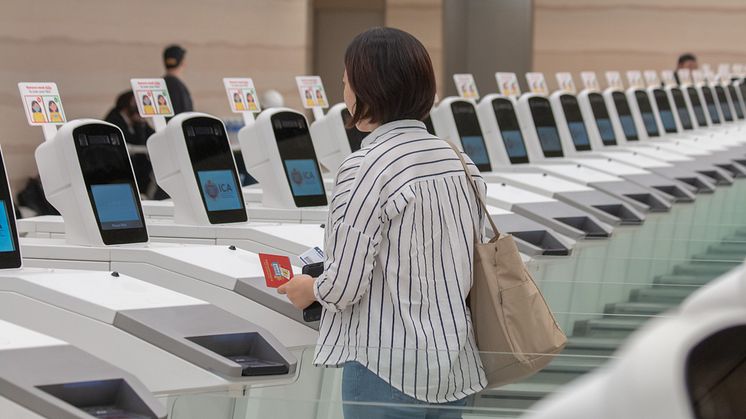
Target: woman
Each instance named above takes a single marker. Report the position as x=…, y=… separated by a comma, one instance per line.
x=399, y=243
x=54, y=112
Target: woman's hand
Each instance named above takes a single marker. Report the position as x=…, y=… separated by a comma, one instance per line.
x=299, y=290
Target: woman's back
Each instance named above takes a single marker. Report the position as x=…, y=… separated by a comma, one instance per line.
x=400, y=243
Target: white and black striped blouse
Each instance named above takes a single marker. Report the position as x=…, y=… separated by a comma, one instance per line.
x=399, y=249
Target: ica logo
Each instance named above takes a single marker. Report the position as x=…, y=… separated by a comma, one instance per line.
x=214, y=189
x=297, y=177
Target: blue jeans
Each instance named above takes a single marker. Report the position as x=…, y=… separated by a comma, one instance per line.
x=367, y=396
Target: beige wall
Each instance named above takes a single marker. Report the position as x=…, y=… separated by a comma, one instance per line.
x=600, y=35
x=91, y=48
x=423, y=19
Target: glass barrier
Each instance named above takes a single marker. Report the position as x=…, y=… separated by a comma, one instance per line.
x=316, y=392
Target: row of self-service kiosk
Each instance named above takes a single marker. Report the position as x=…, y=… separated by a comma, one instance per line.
x=170, y=296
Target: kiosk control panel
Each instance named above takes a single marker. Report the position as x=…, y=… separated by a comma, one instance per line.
x=723, y=101
x=699, y=112
x=510, y=130
x=664, y=111
x=193, y=162
x=625, y=116
x=601, y=116
x=646, y=112
x=712, y=109
x=279, y=153
x=575, y=122
x=546, y=127
x=681, y=109
x=214, y=170
x=94, y=182
x=467, y=124
x=735, y=101
x=10, y=254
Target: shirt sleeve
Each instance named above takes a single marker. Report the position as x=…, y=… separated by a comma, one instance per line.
x=352, y=242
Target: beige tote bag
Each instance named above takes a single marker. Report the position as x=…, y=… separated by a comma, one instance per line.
x=514, y=327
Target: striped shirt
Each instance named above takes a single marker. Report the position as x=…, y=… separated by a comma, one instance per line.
x=399, y=248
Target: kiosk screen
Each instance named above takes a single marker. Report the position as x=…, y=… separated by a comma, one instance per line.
x=575, y=122
x=546, y=127
x=681, y=109
x=299, y=159
x=736, y=103
x=723, y=100
x=711, y=107
x=664, y=109
x=625, y=116
x=354, y=136
x=214, y=170
x=468, y=129
x=601, y=115
x=10, y=255
x=510, y=130
x=699, y=113
x=108, y=177
x=646, y=112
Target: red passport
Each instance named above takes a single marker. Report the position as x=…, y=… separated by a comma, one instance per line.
x=277, y=269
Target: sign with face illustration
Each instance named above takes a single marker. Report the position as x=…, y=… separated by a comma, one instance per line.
x=242, y=95
x=152, y=97
x=42, y=103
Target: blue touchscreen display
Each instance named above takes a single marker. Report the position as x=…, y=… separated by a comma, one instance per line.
x=474, y=147
x=219, y=190
x=606, y=131
x=513, y=141
x=549, y=139
x=650, y=125
x=669, y=124
x=628, y=126
x=304, y=176
x=578, y=133
x=115, y=206
x=6, y=234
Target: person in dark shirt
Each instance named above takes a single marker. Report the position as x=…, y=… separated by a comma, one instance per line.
x=687, y=61
x=136, y=133
x=173, y=59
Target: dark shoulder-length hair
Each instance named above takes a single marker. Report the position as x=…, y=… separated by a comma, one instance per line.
x=392, y=76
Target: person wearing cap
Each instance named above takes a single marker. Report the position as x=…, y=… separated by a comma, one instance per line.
x=173, y=59
x=686, y=61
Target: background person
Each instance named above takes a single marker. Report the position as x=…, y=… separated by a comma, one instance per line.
x=173, y=60
x=687, y=61
x=399, y=242
x=136, y=132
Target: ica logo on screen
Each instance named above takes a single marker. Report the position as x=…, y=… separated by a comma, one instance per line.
x=304, y=177
x=219, y=190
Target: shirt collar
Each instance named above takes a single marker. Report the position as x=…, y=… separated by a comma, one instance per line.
x=386, y=130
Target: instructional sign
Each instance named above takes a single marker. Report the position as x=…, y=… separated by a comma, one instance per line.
x=614, y=80
x=651, y=78
x=152, y=97
x=536, y=83
x=698, y=77
x=42, y=103
x=590, y=81
x=466, y=86
x=565, y=82
x=685, y=76
x=634, y=79
x=668, y=78
x=508, y=84
x=312, y=92
x=242, y=95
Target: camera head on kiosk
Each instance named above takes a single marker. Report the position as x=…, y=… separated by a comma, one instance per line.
x=501, y=126
x=333, y=140
x=193, y=162
x=694, y=100
x=279, y=153
x=455, y=119
x=87, y=176
x=642, y=110
x=541, y=131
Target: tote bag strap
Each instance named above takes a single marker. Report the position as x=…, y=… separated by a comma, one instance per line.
x=474, y=188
